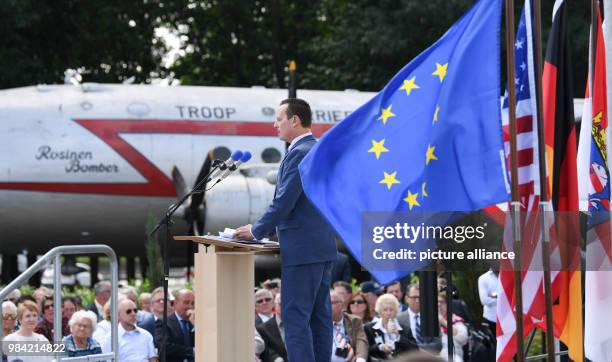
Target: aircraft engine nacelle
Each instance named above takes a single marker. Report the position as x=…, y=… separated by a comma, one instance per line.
x=236, y=201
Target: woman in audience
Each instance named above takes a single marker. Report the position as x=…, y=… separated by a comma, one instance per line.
x=79, y=342
x=459, y=330
x=27, y=315
x=358, y=306
x=386, y=336
x=9, y=318
x=68, y=307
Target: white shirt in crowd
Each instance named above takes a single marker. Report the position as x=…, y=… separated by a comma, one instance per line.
x=14, y=337
x=339, y=328
x=488, y=284
x=134, y=346
x=264, y=318
x=103, y=328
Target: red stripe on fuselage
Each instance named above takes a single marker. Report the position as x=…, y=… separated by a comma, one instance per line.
x=158, y=184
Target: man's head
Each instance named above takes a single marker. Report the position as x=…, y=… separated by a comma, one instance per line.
x=130, y=292
x=102, y=290
x=145, y=301
x=293, y=118
x=264, y=302
x=345, y=290
x=412, y=297
x=185, y=301
x=395, y=288
x=127, y=314
x=337, y=303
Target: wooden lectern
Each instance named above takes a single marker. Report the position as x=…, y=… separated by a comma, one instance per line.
x=224, y=298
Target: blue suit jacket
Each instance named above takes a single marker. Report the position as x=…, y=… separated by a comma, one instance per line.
x=305, y=236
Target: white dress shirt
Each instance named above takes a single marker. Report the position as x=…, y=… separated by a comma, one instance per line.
x=295, y=140
x=488, y=283
x=134, y=346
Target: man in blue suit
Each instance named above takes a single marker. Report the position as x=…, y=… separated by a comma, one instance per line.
x=308, y=248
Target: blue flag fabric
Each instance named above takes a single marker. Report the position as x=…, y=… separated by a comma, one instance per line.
x=431, y=140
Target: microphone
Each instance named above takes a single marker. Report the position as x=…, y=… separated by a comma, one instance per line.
x=246, y=156
x=235, y=157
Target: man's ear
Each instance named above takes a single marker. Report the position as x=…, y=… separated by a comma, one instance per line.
x=296, y=121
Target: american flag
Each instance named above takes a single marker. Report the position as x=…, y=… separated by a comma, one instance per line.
x=529, y=197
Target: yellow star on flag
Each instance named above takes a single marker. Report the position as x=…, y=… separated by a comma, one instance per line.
x=385, y=114
x=423, y=189
x=411, y=199
x=436, y=114
x=409, y=85
x=430, y=154
x=389, y=180
x=378, y=148
x=440, y=71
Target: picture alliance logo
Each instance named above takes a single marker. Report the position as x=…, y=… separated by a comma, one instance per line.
x=412, y=233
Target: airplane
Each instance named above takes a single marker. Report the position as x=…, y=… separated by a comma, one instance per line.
x=89, y=163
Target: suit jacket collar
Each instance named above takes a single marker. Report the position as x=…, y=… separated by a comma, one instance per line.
x=302, y=138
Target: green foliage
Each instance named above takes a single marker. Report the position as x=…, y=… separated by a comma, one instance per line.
x=145, y=286
x=153, y=251
x=86, y=294
x=27, y=289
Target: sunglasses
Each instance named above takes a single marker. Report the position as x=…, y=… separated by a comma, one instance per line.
x=130, y=311
x=263, y=300
x=357, y=302
x=9, y=317
x=48, y=306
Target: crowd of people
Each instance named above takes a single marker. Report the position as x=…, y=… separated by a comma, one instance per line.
x=371, y=322
x=375, y=323
x=86, y=329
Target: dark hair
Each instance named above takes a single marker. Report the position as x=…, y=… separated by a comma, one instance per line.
x=299, y=107
x=417, y=356
x=343, y=284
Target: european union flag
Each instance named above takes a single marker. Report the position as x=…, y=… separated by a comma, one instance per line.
x=431, y=140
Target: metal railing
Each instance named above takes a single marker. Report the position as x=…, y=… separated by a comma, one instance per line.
x=54, y=256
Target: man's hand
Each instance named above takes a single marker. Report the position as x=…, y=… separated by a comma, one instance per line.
x=243, y=233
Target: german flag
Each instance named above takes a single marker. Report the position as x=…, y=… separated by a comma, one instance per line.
x=560, y=139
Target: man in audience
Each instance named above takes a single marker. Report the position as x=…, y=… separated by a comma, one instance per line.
x=144, y=300
x=345, y=290
x=273, y=285
x=264, y=306
x=371, y=290
x=395, y=288
x=180, y=332
x=350, y=342
x=412, y=317
x=102, y=291
x=488, y=284
x=135, y=344
x=273, y=334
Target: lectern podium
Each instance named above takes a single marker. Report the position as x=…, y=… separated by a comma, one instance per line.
x=224, y=298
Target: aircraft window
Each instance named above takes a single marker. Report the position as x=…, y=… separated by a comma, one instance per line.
x=271, y=155
x=221, y=153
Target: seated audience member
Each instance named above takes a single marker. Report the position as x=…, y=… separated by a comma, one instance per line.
x=102, y=291
x=386, y=336
x=264, y=306
x=349, y=339
x=180, y=331
x=68, y=308
x=459, y=331
x=371, y=290
x=9, y=318
x=27, y=315
x=395, y=288
x=358, y=306
x=273, y=334
x=412, y=317
x=79, y=342
x=45, y=326
x=40, y=294
x=345, y=290
x=104, y=326
x=144, y=300
x=135, y=344
x=14, y=296
x=273, y=285
x=157, y=310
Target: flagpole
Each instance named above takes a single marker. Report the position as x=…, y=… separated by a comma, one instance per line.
x=544, y=201
x=516, y=206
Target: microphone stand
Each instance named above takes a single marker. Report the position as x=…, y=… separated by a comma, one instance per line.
x=167, y=221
